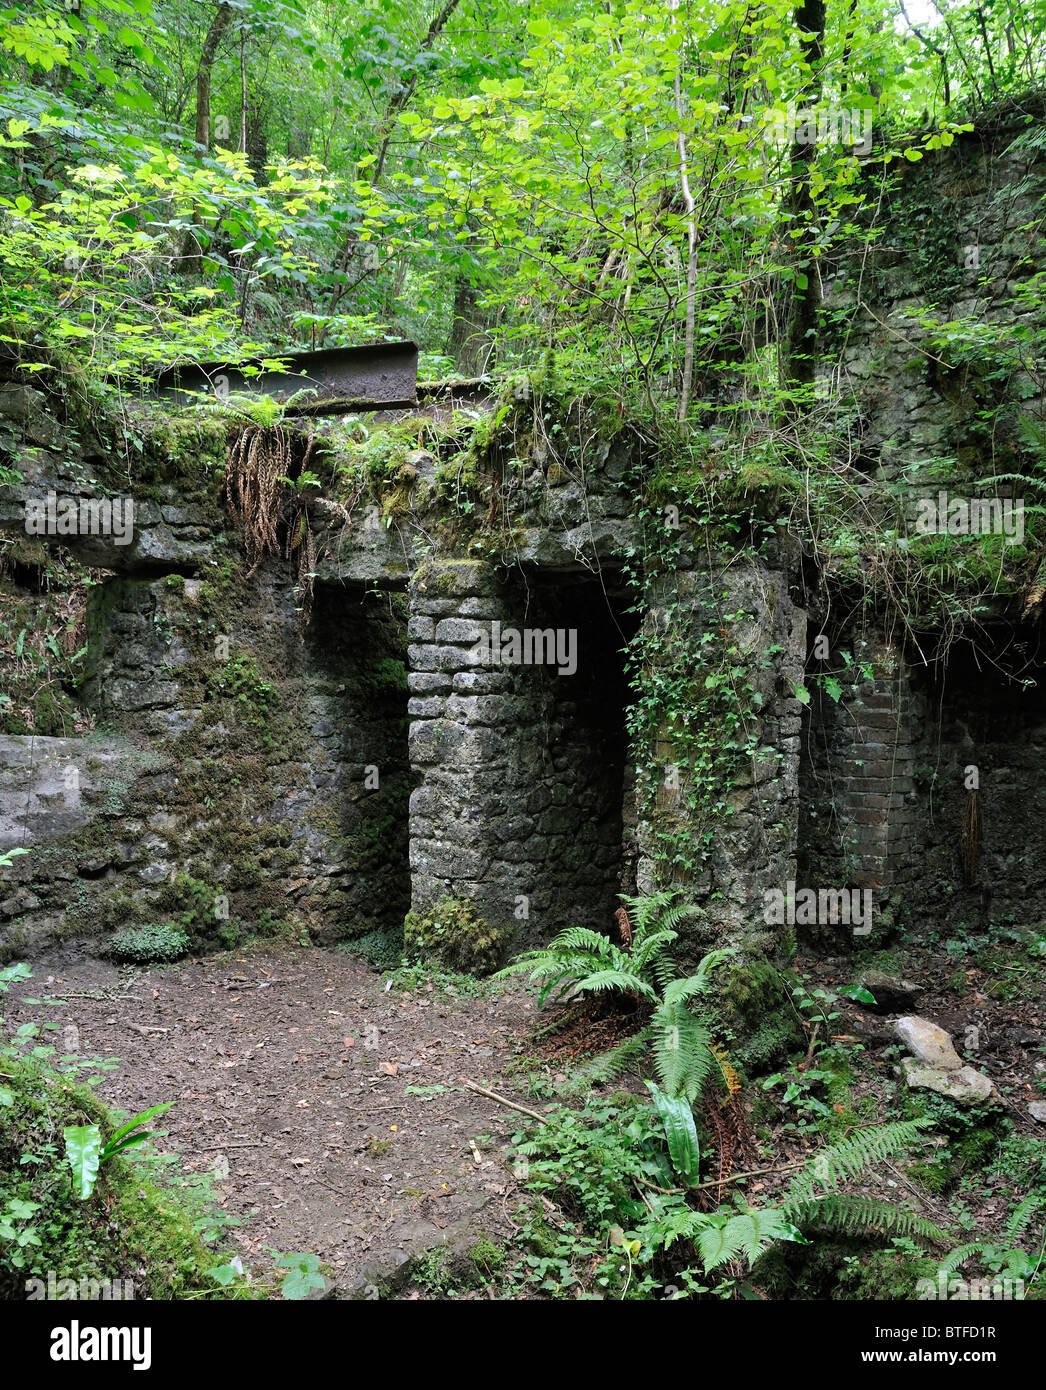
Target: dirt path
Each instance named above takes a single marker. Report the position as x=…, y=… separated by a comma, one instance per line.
x=295, y=1077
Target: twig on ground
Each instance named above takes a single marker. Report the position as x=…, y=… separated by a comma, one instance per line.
x=502, y=1100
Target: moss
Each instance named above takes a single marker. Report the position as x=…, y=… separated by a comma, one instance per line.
x=44, y=638
x=143, y=945
x=754, y=1008
x=177, y=456
x=935, y=1177
x=129, y=1229
x=457, y=936
x=973, y=1134
x=487, y=1258
x=383, y=948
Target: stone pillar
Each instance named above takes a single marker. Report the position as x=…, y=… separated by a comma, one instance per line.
x=470, y=748
x=741, y=626
x=519, y=766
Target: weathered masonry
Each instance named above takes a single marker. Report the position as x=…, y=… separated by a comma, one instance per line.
x=445, y=727
x=459, y=700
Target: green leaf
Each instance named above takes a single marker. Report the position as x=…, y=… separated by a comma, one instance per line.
x=83, y=1149
x=680, y=1131
x=302, y=1275
x=138, y=1120
x=858, y=993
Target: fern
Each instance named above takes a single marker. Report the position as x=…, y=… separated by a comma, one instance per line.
x=580, y=961
x=856, y=1215
x=962, y=1253
x=859, y=1216
x=1033, y=435
x=850, y=1158
x=608, y=1066
x=683, y=1054
x=745, y=1236
x=1023, y=1214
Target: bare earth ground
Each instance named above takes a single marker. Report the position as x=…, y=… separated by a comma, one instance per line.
x=330, y=1114
x=293, y=1071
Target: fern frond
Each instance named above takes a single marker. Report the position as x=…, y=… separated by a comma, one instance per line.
x=677, y=991
x=584, y=939
x=648, y=911
x=745, y=1236
x=859, y=1216
x=962, y=1253
x=1033, y=435
x=624, y=980
x=682, y=1051
x=1023, y=1214
x=729, y=1071
x=850, y=1158
x=676, y=915
x=608, y=1066
x=642, y=954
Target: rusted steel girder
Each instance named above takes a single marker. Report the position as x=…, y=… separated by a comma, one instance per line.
x=381, y=376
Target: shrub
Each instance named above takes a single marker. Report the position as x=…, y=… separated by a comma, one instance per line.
x=454, y=933
x=142, y=945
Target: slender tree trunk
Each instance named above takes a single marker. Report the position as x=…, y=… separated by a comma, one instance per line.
x=686, y=383
x=243, y=89
x=191, y=256
x=397, y=103
x=219, y=24
x=691, y=262
x=469, y=343
x=800, y=348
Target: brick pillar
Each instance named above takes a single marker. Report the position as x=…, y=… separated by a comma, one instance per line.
x=874, y=765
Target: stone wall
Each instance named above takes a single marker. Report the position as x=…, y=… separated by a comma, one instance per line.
x=859, y=813
x=215, y=761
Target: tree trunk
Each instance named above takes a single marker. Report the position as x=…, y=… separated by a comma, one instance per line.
x=469, y=343
x=800, y=348
x=190, y=261
x=219, y=24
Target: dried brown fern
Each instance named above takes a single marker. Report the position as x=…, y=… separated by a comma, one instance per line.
x=624, y=927
x=259, y=459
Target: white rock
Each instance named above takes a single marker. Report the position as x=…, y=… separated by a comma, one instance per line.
x=964, y=1085
x=927, y=1042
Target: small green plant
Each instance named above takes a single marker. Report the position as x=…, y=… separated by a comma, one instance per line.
x=143, y=945
x=18, y=1228
x=581, y=961
x=85, y=1152
x=302, y=1274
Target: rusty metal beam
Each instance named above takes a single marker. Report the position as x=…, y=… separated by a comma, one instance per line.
x=381, y=376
